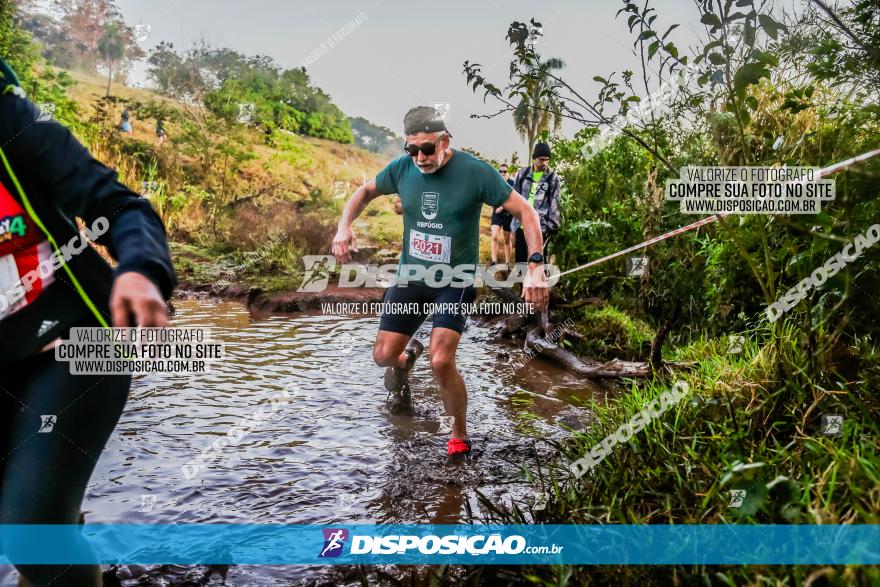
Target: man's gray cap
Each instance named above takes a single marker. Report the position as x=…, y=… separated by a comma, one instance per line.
x=423, y=119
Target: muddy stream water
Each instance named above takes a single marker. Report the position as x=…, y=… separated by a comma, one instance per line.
x=334, y=452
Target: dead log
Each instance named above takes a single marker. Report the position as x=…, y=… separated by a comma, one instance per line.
x=595, y=370
x=574, y=334
x=535, y=344
x=618, y=368
x=545, y=348
x=512, y=324
x=508, y=295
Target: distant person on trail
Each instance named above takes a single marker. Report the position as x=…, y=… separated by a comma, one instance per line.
x=442, y=191
x=125, y=123
x=54, y=425
x=540, y=185
x=501, y=220
x=161, y=135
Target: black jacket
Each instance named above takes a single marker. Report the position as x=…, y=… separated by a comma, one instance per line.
x=54, y=167
x=546, y=198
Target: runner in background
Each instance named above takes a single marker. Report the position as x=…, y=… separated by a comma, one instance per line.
x=54, y=425
x=161, y=135
x=540, y=185
x=501, y=220
x=125, y=123
x=442, y=192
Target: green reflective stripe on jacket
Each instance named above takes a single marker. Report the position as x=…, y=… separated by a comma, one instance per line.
x=33, y=215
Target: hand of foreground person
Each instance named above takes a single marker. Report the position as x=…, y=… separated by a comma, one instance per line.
x=535, y=289
x=343, y=243
x=134, y=294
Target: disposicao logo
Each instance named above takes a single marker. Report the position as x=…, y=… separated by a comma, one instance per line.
x=334, y=540
x=432, y=544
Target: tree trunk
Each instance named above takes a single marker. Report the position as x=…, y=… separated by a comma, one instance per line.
x=109, y=76
x=533, y=137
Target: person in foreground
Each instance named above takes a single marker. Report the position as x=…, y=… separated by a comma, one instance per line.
x=442, y=191
x=55, y=424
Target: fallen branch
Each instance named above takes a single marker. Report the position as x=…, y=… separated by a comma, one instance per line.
x=595, y=370
x=508, y=295
x=511, y=325
x=536, y=344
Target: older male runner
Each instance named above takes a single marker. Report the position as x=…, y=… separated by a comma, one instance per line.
x=442, y=191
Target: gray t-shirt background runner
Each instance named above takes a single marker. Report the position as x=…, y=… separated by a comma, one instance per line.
x=441, y=210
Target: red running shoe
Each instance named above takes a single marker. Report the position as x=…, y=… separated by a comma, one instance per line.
x=458, y=447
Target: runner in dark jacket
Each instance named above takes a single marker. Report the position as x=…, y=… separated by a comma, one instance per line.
x=54, y=425
x=540, y=185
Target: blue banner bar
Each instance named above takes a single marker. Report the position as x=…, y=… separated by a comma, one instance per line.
x=188, y=544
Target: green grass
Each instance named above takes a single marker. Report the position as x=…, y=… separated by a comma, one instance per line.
x=610, y=333
x=277, y=271
x=384, y=227
x=741, y=427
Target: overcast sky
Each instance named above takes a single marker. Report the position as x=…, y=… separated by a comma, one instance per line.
x=409, y=53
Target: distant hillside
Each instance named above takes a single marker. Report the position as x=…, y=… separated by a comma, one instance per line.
x=376, y=139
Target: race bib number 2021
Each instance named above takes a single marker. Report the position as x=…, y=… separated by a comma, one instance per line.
x=430, y=247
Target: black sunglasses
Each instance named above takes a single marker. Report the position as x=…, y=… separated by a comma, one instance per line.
x=427, y=148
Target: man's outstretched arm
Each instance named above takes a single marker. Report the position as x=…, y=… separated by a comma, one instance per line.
x=344, y=242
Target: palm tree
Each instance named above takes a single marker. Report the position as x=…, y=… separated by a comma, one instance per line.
x=538, y=110
x=111, y=48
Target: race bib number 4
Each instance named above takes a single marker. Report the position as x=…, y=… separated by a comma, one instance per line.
x=430, y=247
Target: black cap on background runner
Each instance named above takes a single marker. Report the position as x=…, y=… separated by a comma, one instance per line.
x=424, y=119
x=541, y=150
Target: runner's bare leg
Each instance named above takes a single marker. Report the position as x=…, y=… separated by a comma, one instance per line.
x=388, y=349
x=495, y=242
x=444, y=343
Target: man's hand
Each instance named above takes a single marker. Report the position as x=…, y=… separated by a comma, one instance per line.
x=343, y=243
x=134, y=294
x=535, y=290
x=398, y=206
x=499, y=209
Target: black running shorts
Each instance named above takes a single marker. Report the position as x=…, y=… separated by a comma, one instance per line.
x=405, y=308
x=502, y=219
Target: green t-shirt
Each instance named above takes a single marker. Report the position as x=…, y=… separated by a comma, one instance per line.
x=536, y=179
x=441, y=210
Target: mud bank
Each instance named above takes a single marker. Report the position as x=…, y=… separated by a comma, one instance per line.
x=284, y=302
